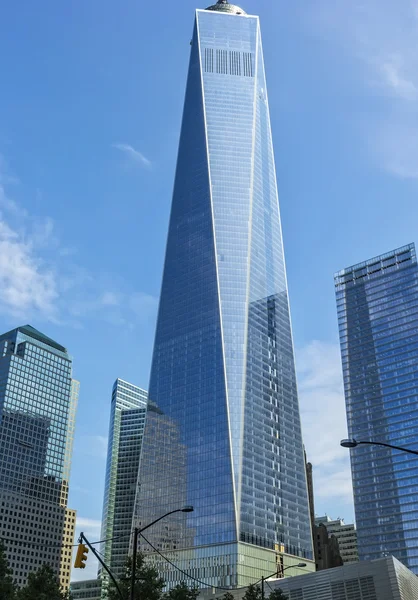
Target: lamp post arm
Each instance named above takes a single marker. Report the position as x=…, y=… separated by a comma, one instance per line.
x=137, y=532
x=390, y=446
x=159, y=519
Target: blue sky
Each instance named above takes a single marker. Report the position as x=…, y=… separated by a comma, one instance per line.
x=90, y=111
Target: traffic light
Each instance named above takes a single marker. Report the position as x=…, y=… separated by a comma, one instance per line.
x=80, y=559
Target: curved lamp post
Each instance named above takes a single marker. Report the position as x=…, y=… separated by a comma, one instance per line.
x=352, y=443
x=137, y=531
x=300, y=565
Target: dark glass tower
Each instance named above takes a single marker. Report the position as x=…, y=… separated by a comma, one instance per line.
x=377, y=304
x=223, y=373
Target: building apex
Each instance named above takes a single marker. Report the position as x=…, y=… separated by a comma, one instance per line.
x=224, y=6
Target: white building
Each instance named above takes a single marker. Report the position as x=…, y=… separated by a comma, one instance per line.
x=89, y=589
x=382, y=579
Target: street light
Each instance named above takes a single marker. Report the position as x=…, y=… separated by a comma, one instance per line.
x=137, y=532
x=352, y=443
x=300, y=565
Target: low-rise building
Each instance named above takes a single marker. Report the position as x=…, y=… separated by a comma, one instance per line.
x=89, y=589
x=381, y=579
x=326, y=549
x=346, y=535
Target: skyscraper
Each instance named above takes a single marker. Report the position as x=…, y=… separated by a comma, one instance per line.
x=377, y=304
x=38, y=400
x=127, y=418
x=223, y=371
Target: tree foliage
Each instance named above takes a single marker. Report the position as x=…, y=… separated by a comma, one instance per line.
x=253, y=592
x=148, y=583
x=7, y=587
x=277, y=594
x=43, y=584
x=227, y=596
x=181, y=592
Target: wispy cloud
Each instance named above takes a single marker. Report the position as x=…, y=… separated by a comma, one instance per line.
x=381, y=37
x=91, y=528
x=394, y=77
x=40, y=279
x=135, y=156
x=324, y=420
x=26, y=282
x=116, y=308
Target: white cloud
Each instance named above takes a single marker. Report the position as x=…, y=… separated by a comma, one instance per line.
x=324, y=420
x=92, y=529
x=381, y=35
x=395, y=79
x=8, y=204
x=134, y=155
x=116, y=308
x=26, y=282
x=39, y=278
x=110, y=299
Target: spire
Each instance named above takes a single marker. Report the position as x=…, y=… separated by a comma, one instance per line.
x=224, y=6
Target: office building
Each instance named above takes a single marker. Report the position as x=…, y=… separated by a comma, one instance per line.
x=325, y=546
x=89, y=589
x=326, y=549
x=382, y=579
x=377, y=303
x=67, y=548
x=223, y=370
x=127, y=418
x=38, y=400
x=346, y=534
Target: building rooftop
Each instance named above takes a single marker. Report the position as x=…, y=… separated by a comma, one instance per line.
x=37, y=335
x=224, y=6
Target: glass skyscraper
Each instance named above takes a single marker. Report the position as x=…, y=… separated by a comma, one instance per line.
x=38, y=400
x=223, y=373
x=377, y=304
x=127, y=418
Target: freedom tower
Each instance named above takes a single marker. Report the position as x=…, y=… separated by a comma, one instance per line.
x=224, y=433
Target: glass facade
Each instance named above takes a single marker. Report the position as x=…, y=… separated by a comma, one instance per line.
x=127, y=419
x=223, y=375
x=377, y=304
x=38, y=400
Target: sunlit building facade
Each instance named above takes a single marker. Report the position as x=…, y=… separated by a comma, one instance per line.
x=377, y=303
x=38, y=400
x=223, y=373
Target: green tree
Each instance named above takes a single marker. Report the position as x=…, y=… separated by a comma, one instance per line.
x=181, y=592
x=227, y=596
x=7, y=587
x=148, y=585
x=253, y=592
x=277, y=594
x=43, y=584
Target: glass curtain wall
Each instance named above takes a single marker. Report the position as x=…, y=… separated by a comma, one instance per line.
x=377, y=304
x=223, y=370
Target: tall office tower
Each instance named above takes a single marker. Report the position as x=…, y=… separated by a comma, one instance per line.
x=127, y=418
x=223, y=372
x=377, y=303
x=38, y=400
